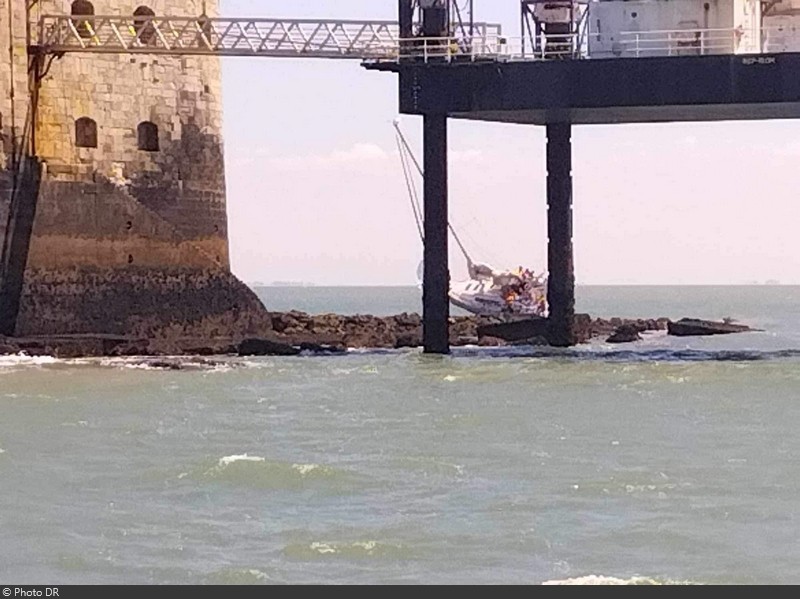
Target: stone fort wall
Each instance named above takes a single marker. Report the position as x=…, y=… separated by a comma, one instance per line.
x=131, y=204
x=13, y=94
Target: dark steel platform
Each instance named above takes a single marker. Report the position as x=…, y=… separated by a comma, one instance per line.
x=604, y=91
x=558, y=94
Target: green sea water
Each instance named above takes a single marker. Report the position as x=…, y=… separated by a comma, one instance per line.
x=665, y=461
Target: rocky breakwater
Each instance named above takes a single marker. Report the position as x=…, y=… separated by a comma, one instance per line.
x=294, y=333
x=300, y=329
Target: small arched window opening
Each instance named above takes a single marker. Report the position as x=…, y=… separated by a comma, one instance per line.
x=84, y=26
x=143, y=25
x=85, y=133
x=205, y=30
x=147, y=135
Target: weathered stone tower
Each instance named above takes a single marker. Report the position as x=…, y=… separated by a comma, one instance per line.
x=112, y=188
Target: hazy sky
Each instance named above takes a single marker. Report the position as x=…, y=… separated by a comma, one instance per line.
x=316, y=193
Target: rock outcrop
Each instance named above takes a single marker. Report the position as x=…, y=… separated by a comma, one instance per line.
x=692, y=327
x=627, y=333
x=405, y=330
x=298, y=333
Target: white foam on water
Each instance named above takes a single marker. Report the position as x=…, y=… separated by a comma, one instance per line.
x=595, y=580
x=355, y=548
x=231, y=459
x=165, y=363
x=323, y=548
x=23, y=359
x=113, y=361
x=2, y=450
x=256, y=364
x=368, y=545
x=305, y=469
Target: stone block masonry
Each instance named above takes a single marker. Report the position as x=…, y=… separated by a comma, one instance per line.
x=130, y=230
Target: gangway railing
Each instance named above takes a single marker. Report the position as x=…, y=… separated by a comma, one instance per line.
x=378, y=41
x=298, y=38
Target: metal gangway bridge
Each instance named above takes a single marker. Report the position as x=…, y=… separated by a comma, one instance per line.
x=277, y=38
x=369, y=41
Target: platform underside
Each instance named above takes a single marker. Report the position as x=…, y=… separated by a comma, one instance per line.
x=639, y=114
x=606, y=91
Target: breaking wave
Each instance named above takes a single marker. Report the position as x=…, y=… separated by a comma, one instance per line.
x=258, y=472
x=349, y=550
x=168, y=363
x=224, y=364
x=22, y=359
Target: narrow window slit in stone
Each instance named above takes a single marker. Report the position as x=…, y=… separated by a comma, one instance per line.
x=147, y=134
x=143, y=25
x=85, y=26
x=85, y=133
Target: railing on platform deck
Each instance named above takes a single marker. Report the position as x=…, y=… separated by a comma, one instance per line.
x=299, y=38
x=629, y=44
x=493, y=47
x=682, y=42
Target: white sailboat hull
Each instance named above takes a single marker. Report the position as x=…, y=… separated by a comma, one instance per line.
x=482, y=298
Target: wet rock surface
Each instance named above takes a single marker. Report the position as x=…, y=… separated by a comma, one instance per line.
x=693, y=327
x=298, y=333
x=627, y=333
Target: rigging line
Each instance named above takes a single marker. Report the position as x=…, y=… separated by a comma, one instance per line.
x=460, y=245
x=411, y=193
x=419, y=216
x=467, y=231
x=412, y=188
x=408, y=149
x=402, y=139
x=415, y=195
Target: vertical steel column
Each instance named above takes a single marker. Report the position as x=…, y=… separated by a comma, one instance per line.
x=406, y=28
x=436, y=278
x=435, y=21
x=406, y=18
x=561, y=281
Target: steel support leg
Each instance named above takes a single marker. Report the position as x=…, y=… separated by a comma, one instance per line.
x=405, y=13
x=561, y=281
x=436, y=280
